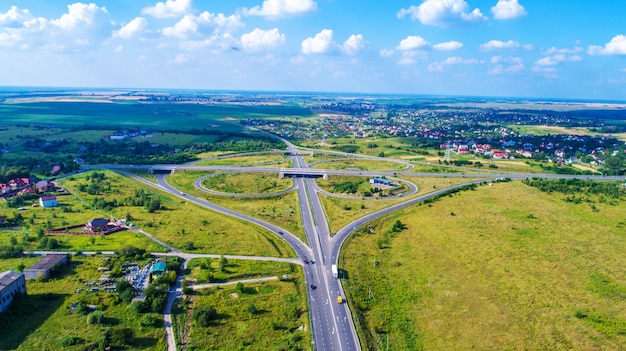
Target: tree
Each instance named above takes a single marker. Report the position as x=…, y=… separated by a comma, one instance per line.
x=125, y=290
x=204, y=315
x=614, y=164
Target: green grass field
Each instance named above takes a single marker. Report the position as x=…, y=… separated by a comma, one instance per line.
x=271, y=159
x=46, y=318
x=277, y=319
x=209, y=231
x=282, y=210
x=502, y=267
x=247, y=183
x=206, y=270
x=340, y=211
x=362, y=165
x=162, y=116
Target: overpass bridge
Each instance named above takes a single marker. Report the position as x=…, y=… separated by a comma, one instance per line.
x=302, y=173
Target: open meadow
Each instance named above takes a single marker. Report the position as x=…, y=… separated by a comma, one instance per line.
x=501, y=267
x=247, y=183
x=269, y=315
x=282, y=210
x=341, y=211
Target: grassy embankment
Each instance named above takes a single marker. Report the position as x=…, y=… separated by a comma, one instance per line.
x=502, y=267
x=282, y=210
x=46, y=320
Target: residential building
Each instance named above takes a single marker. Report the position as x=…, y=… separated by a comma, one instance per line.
x=44, y=265
x=48, y=201
x=11, y=284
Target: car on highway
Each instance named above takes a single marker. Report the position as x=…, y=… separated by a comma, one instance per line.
x=305, y=260
x=313, y=287
x=281, y=233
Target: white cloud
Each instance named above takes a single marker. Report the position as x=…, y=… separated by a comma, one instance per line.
x=259, y=39
x=14, y=17
x=438, y=66
x=181, y=59
x=385, y=53
x=82, y=27
x=508, y=9
x=133, y=28
x=80, y=15
x=407, y=61
x=556, y=59
x=554, y=50
x=498, y=44
x=623, y=70
x=448, y=46
x=282, y=8
x=192, y=27
x=412, y=42
x=443, y=13
x=119, y=48
x=617, y=46
x=320, y=44
x=353, y=45
x=454, y=60
x=504, y=64
x=168, y=9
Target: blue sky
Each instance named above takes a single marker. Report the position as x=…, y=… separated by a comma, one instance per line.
x=574, y=49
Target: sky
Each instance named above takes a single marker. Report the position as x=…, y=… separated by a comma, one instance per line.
x=565, y=49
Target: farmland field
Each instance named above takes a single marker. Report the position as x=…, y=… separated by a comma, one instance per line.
x=162, y=116
x=494, y=268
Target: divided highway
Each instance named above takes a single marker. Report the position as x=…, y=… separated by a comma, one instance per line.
x=331, y=322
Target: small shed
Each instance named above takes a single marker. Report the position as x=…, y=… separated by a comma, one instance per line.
x=48, y=201
x=159, y=268
x=44, y=265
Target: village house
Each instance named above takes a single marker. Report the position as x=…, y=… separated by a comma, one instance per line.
x=48, y=201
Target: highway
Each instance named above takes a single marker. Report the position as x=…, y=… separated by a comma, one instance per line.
x=331, y=323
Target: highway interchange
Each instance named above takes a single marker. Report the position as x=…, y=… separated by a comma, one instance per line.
x=332, y=324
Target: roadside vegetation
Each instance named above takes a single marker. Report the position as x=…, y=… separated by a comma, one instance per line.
x=341, y=211
x=505, y=259
x=282, y=210
x=269, y=315
x=220, y=270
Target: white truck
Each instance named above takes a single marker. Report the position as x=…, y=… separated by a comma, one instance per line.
x=333, y=268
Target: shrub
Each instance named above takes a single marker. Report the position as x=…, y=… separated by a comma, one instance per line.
x=204, y=315
x=95, y=317
x=71, y=340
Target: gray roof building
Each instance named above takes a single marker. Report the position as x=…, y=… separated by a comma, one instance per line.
x=44, y=265
x=11, y=284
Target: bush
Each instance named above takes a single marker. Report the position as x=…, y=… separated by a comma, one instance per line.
x=204, y=315
x=95, y=317
x=71, y=340
x=151, y=320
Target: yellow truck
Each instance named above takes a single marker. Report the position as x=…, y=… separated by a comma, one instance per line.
x=339, y=299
